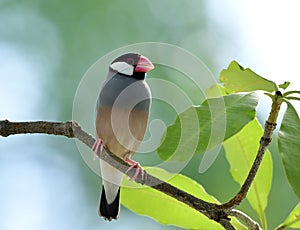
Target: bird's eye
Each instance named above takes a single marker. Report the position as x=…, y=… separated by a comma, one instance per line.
x=130, y=61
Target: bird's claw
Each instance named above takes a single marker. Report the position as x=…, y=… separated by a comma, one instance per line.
x=98, y=144
x=137, y=166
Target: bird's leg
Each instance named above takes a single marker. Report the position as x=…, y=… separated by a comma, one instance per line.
x=136, y=165
x=98, y=144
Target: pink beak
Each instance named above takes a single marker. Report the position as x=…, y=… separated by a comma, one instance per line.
x=144, y=65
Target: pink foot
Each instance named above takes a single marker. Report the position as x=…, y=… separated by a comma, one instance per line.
x=98, y=144
x=135, y=165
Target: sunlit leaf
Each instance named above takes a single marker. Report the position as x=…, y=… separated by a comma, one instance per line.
x=293, y=220
x=238, y=225
x=165, y=209
x=241, y=151
x=289, y=146
x=284, y=85
x=238, y=79
x=218, y=119
x=216, y=90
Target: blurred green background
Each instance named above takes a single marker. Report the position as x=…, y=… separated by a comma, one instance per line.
x=45, y=49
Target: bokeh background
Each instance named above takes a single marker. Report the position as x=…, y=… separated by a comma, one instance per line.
x=47, y=46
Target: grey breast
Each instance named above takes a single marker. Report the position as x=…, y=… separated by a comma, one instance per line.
x=125, y=92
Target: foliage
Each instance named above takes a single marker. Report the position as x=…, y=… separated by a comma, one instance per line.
x=289, y=146
x=238, y=79
x=212, y=112
x=145, y=201
x=293, y=220
x=240, y=139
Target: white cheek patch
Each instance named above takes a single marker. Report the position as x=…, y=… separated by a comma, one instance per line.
x=122, y=67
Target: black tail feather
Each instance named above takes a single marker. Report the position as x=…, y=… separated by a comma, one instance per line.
x=109, y=211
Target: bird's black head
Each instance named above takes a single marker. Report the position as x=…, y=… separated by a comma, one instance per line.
x=132, y=65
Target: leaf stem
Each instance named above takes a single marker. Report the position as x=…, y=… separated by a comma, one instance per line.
x=291, y=92
x=293, y=98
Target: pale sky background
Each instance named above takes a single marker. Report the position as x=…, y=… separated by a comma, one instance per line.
x=268, y=36
x=271, y=31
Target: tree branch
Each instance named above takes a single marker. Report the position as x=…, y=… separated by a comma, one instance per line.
x=218, y=213
x=73, y=130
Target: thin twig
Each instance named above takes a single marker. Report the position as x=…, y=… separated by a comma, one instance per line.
x=73, y=130
x=265, y=141
x=252, y=225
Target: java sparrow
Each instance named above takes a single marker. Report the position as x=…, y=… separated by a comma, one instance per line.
x=122, y=114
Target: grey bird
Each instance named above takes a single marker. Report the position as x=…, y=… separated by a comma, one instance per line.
x=122, y=117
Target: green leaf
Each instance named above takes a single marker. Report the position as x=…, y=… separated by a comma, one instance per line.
x=218, y=119
x=284, y=85
x=241, y=151
x=215, y=90
x=165, y=209
x=293, y=220
x=238, y=79
x=289, y=145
